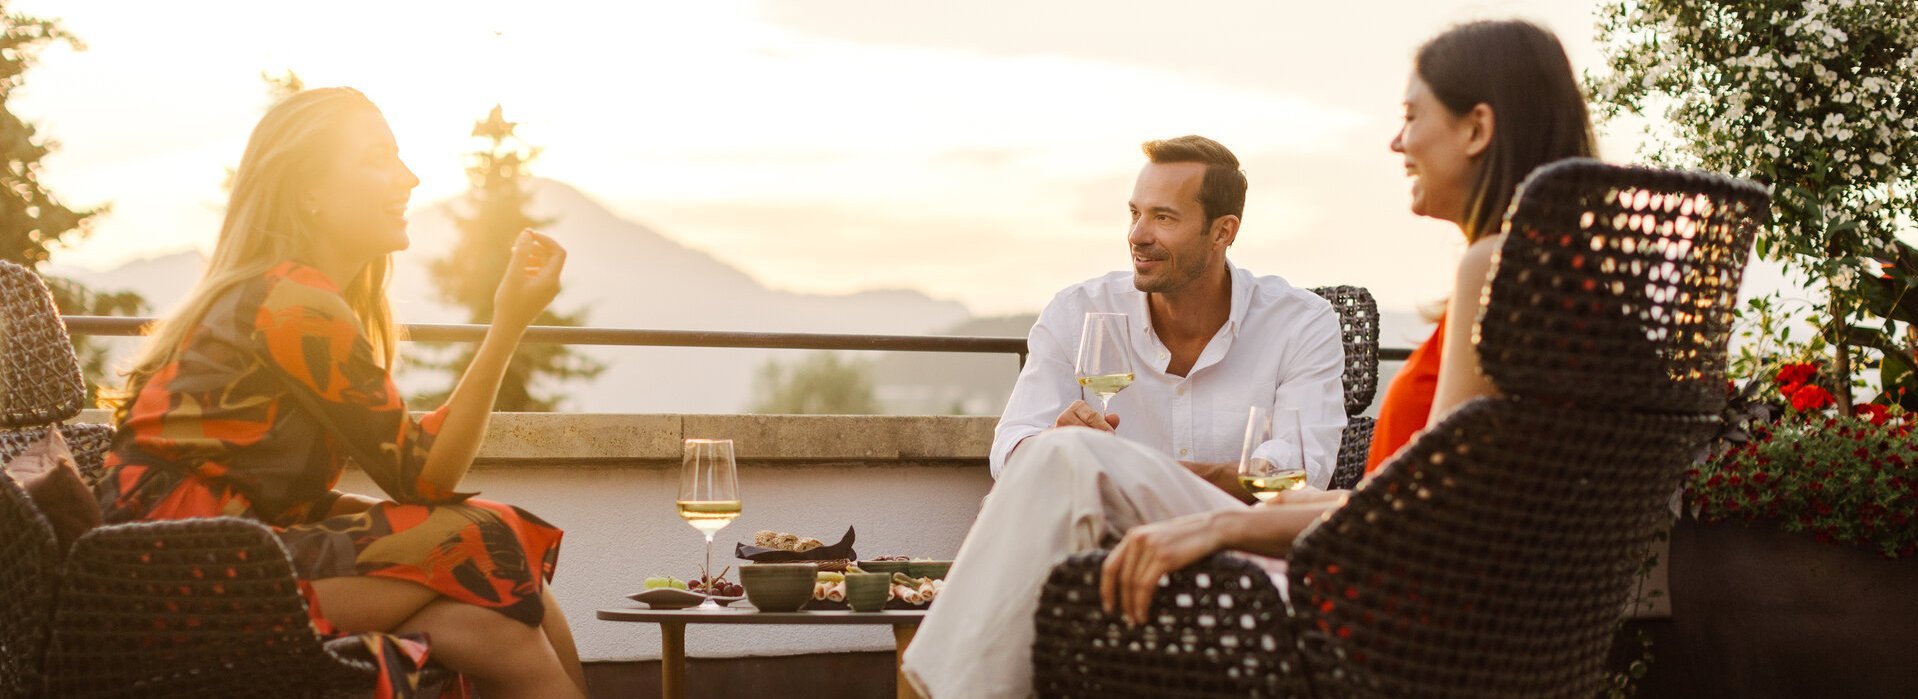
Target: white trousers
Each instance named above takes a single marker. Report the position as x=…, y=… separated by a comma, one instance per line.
x=1063, y=491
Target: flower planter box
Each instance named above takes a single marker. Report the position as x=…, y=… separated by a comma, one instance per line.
x=1757, y=612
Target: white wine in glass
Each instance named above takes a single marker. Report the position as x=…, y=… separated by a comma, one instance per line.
x=1104, y=365
x=1263, y=478
x=708, y=494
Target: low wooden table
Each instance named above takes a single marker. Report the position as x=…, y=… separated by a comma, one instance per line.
x=672, y=629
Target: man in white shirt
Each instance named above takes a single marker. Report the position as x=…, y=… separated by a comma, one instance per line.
x=1208, y=341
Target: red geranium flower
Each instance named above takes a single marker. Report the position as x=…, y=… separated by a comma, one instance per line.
x=1874, y=412
x=1793, y=374
x=1811, y=398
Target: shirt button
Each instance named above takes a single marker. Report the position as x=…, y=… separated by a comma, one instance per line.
x=1183, y=452
x=1181, y=391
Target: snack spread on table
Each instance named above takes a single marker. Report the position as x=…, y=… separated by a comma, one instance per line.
x=717, y=585
x=831, y=587
x=769, y=539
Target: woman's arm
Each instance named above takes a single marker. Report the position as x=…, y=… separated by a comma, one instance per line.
x=1149, y=552
x=1459, y=377
x=530, y=283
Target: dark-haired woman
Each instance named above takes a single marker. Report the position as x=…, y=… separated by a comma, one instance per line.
x=1486, y=104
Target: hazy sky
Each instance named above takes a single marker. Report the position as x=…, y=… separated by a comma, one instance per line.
x=980, y=151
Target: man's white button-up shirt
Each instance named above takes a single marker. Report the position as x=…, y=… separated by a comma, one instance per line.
x=1280, y=348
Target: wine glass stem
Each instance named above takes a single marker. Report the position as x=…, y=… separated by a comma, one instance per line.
x=706, y=572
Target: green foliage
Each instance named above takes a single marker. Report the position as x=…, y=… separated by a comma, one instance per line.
x=468, y=276
x=33, y=222
x=1815, y=97
x=822, y=384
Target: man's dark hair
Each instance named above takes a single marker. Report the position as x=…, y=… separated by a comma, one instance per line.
x=1222, y=193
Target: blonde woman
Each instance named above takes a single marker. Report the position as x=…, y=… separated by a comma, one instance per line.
x=250, y=400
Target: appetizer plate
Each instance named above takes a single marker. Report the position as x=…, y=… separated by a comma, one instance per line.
x=675, y=598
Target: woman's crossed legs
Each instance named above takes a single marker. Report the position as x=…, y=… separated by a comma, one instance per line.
x=505, y=658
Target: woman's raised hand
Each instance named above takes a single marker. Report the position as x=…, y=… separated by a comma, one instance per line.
x=531, y=280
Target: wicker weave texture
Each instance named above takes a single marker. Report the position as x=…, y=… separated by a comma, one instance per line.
x=29, y=564
x=1491, y=556
x=1216, y=632
x=1355, y=446
x=1616, y=286
x=39, y=374
x=1359, y=332
x=89, y=443
x=189, y=608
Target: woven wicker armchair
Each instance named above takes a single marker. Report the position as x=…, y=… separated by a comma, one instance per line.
x=1359, y=332
x=190, y=608
x=29, y=568
x=1494, y=554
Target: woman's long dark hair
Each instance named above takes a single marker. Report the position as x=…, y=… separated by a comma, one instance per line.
x=1520, y=70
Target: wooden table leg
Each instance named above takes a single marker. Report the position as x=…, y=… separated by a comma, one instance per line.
x=672, y=659
x=902, y=637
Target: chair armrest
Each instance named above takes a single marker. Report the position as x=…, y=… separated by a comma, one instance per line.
x=191, y=607
x=1217, y=629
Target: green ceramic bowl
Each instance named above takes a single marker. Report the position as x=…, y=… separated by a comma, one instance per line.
x=778, y=587
x=887, y=567
x=868, y=592
x=930, y=569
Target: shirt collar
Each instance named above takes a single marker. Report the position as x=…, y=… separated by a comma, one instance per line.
x=1241, y=296
x=1241, y=302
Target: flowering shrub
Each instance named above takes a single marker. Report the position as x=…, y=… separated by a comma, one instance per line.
x=1816, y=98
x=1813, y=96
x=1844, y=480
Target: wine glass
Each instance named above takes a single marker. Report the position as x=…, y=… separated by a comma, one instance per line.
x=708, y=495
x=1257, y=472
x=1105, y=357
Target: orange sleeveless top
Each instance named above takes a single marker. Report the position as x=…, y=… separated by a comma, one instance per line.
x=1408, y=400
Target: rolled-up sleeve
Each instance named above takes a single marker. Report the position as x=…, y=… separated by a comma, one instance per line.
x=1045, y=387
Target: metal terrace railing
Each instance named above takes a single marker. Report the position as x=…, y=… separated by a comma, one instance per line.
x=452, y=332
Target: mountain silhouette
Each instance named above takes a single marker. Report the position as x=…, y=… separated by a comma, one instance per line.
x=624, y=275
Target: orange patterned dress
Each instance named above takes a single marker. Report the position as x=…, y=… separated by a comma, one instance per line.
x=274, y=393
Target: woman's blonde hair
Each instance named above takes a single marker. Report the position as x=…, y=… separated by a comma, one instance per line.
x=265, y=226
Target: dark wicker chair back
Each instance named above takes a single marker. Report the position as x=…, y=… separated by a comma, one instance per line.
x=1359, y=332
x=188, y=608
x=1493, y=555
x=1490, y=557
x=39, y=374
x=1617, y=286
x=29, y=567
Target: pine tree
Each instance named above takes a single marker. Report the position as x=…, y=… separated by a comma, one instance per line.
x=33, y=222
x=496, y=211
